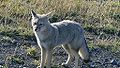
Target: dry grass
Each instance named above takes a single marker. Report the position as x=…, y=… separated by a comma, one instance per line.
x=95, y=16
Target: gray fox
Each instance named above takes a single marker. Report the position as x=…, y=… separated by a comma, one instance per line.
x=68, y=34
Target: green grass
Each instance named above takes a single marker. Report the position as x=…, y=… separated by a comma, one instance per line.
x=17, y=59
x=31, y=51
x=11, y=31
x=95, y=17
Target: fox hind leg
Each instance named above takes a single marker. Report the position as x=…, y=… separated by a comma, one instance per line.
x=76, y=55
x=84, y=53
x=70, y=55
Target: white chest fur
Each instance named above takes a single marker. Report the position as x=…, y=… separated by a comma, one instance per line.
x=38, y=37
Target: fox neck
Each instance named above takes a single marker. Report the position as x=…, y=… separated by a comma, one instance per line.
x=47, y=33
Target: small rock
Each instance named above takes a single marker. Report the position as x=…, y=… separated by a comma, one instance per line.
x=14, y=41
x=1, y=66
x=106, y=60
x=92, y=65
x=20, y=66
x=25, y=67
x=118, y=64
x=113, y=61
x=2, y=62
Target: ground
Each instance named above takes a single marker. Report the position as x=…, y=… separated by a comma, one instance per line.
x=18, y=52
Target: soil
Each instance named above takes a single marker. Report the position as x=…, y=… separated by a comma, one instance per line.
x=10, y=48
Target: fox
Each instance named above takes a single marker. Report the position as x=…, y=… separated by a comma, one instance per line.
x=68, y=34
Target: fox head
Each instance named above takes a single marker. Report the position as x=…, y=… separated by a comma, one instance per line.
x=40, y=22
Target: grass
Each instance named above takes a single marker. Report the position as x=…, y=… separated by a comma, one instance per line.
x=17, y=60
x=31, y=51
x=96, y=17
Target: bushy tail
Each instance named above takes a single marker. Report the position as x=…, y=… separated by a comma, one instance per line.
x=84, y=52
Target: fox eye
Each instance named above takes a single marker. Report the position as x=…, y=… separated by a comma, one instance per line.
x=35, y=24
x=40, y=24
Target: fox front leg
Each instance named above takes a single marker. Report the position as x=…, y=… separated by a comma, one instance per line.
x=43, y=57
x=48, y=58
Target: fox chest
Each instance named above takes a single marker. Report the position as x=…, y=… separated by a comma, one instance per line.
x=43, y=42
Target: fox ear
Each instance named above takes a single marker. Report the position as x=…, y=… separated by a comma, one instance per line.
x=33, y=14
x=49, y=14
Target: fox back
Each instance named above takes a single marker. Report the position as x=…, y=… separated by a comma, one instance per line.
x=53, y=34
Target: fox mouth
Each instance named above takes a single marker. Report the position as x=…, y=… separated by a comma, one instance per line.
x=36, y=30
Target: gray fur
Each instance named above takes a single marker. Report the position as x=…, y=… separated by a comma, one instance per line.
x=67, y=33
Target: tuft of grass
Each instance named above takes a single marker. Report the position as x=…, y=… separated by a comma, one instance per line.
x=36, y=62
x=32, y=52
x=109, y=29
x=17, y=60
x=116, y=4
x=115, y=16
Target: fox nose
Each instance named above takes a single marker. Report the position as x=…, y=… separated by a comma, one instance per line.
x=35, y=29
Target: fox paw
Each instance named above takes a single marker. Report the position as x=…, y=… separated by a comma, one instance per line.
x=38, y=66
x=65, y=65
x=87, y=61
